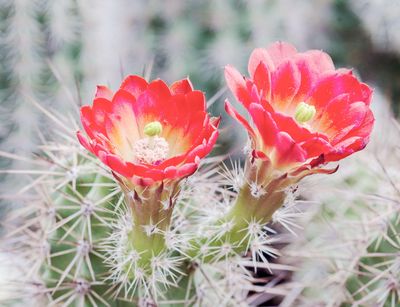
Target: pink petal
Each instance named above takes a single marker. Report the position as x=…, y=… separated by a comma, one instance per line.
x=280, y=51
x=259, y=55
x=103, y=91
x=84, y=141
x=237, y=85
x=235, y=115
x=320, y=61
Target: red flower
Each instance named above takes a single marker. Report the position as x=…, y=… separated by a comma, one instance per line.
x=149, y=132
x=304, y=111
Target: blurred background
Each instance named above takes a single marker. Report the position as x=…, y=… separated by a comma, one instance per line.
x=56, y=52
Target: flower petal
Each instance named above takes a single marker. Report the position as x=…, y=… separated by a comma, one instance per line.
x=280, y=52
x=285, y=84
x=235, y=115
x=335, y=84
x=134, y=85
x=262, y=80
x=84, y=141
x=320, y=61
x=103, y=91
x=237, y=85
x=287, y=151
x=264, y=123
x=183, y=86
x=259, y=55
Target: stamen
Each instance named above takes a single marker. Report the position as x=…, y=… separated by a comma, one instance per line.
x=152, y=150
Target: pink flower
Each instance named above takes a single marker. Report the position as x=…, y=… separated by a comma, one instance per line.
x=303, y=110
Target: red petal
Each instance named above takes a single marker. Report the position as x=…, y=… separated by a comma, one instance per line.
x=334, y=85
x=259, y=55
x=84, y=141
x=183, y=86
x=152, y=103
x=119, y=166
x=122, y=127
x=235, y=115
x=237, y=85
x=196, y=101
x=103, y=91
x=264, y=123
x=187, y=169
x=159, y=89
x=316, y=146
x=135, y=85
x=364, y=129
x=122, y=101
x=296, y=131
x=262, y=80
x=101, y=107
x=287, y=151
x=366, y=93
x=346, y=148
x=308, y=78
x=87, y=120
x=285, y=84
x=351, y=115
x=360, y=130
x=171, y=172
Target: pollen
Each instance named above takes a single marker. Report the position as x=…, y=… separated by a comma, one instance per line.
x=151, y=150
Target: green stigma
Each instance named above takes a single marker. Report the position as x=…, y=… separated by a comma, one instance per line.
x=153, y=128
x=304, y=112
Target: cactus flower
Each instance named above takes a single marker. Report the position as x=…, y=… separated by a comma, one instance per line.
x=304, y=111
x=149, y=132
x=151, y=136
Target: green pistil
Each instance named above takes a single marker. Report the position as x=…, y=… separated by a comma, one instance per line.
x=153, y=129
x=304, y=112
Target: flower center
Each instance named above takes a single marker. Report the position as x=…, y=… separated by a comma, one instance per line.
x=152, y=149
x=304, y=112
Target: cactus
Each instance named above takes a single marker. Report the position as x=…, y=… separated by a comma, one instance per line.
x=82, y=236
x=73, y=236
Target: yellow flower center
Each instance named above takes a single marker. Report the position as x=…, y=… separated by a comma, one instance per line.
x=304, y=112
